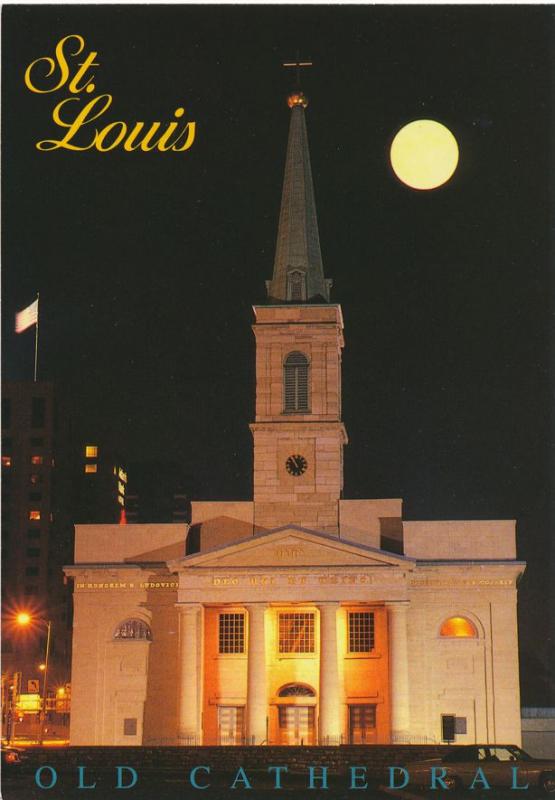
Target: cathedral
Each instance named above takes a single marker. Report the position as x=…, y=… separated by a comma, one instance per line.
x=297, y=617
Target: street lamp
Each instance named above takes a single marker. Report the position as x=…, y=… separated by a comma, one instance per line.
x=25, y=619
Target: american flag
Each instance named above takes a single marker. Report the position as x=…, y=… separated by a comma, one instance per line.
x=29, y=316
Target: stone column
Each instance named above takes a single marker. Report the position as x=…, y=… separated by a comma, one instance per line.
x=190, y=648
x=257, y=693
x=399, y=670
x=331, y=726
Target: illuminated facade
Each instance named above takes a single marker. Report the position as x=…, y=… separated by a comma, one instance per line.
x=298, y=617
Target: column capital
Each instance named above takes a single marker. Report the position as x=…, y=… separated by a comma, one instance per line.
x=262, y=606
x=397, y=605
x=328, y=604
x=188, y=608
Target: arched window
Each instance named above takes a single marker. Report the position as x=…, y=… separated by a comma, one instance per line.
x=296, y=286
x=296, y=690
x=458, y=628
x=133, y=629
x=295, y=382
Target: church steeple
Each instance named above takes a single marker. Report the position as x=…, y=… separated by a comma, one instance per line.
x=298, y=271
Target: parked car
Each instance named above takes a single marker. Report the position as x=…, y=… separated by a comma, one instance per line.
x=502, y=765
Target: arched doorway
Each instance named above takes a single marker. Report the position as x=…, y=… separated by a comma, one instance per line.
x=297, y=714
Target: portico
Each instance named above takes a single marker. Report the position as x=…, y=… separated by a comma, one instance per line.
x=324, y=628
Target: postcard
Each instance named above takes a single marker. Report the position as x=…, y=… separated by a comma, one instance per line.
x=276, y=408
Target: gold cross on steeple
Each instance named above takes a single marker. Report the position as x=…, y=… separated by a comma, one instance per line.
x=297, y=64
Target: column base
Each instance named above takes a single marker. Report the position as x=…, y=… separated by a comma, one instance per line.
x=189, y=739
x=331, y=739
x=401, y=737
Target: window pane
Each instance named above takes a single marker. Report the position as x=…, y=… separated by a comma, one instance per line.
x=133, y=629
x=232, y=633
x=34, y=515
x=361, y=631
x=295, y=382
x=90, y=468
x=296, y=633
x=91, y=451
x=458, y=627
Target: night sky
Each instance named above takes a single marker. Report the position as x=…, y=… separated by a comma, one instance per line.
x=148, y=263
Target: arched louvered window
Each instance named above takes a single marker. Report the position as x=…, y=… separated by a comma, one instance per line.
x=133, y=629
x=296, y=286
x=295, y=382
x=296, y=690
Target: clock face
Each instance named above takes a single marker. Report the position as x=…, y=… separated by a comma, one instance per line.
x=296, y=465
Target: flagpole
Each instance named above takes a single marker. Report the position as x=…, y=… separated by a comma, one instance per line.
x=37, y=339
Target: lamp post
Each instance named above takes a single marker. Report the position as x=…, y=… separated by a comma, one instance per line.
x=25, y=619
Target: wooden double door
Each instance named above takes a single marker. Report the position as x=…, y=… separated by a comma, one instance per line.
x=297, y=725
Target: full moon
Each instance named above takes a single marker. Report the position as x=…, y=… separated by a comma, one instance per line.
x=424, y=154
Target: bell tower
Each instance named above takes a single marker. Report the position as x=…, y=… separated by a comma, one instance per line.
x=298, y=433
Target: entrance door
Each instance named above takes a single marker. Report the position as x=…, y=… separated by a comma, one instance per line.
x=230, y=725
x=296, y=725
x=362, y=724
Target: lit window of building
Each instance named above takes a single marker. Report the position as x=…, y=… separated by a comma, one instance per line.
x=6, y=461
x=296, y=633
x=35, y=478
x=458, y=628
x=361, y=632
x=91, y=451
x=231, y=633
x=91, y=469
x=121, y=487
x=37, y=459
x=34, y=515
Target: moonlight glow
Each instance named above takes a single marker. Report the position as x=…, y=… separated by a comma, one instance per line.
x=424, y=154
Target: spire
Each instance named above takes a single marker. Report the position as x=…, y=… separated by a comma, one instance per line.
x=298, y=270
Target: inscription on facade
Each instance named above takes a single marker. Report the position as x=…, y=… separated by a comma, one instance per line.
x=128, y=585
x=432, y=582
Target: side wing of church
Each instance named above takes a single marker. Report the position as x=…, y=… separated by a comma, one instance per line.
x=299, y=617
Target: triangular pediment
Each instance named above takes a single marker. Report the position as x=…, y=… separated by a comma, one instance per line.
x=293, y=546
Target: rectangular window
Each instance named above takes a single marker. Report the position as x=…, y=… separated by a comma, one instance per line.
x=32, y=571
x=90, y=469
x=34, y=515
x=361, y=631
x=91, y=451
x=33, y=534
x=38, y=412
x=6, y=461
x=33, y=552
x=37, y=441
x=296, y=633
x=35, y=478
x=37, y=459
x=31, y=590
x=35, y=496
x=231, y=637
x=130, y=726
